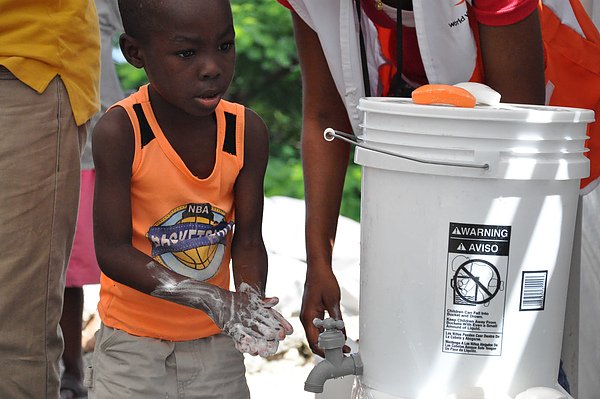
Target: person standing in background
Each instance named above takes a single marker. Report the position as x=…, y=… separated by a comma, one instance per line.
x=509, y=58
x=49, y=75
x=83, y=268
x=537, y=52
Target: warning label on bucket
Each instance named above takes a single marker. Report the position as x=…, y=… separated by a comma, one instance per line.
x=475, y=293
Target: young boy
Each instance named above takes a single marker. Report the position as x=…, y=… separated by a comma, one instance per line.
x=174, y=163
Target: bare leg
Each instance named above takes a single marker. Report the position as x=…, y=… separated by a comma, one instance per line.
x=70, y=324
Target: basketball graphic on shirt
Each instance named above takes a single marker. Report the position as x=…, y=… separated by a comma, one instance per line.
x=191, y=239
x=199, y=257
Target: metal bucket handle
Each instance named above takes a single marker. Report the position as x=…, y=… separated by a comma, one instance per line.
x=330, y=134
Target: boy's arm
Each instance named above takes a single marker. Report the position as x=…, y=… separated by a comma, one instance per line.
x=234, y=312
x=249, y=256
x=248, y=252
x=113, y=149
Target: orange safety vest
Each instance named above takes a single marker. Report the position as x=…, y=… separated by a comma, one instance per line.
x=573, y=68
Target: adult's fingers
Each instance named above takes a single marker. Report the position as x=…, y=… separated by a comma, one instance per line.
x=312, y=336
x=312, y=332
x=335, y=313
x=333, y=309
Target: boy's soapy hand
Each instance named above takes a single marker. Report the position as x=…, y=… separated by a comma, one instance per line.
x=251, y=321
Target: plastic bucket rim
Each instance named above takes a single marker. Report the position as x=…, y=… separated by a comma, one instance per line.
x=508, y=112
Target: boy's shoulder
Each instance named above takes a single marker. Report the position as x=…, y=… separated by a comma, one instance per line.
x=116, y=124
x=232, y=107
x=137, y=97
x=117, y=121
x=113, y=142
x=252, y=119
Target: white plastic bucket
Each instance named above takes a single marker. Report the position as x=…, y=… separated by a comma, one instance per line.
x=464, y=269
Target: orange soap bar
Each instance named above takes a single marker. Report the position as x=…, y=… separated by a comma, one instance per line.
x=443, y=94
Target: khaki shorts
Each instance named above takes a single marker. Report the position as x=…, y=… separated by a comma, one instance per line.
x=127, y=366
x=39, y=190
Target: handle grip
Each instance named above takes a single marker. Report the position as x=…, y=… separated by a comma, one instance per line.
x=329, y=323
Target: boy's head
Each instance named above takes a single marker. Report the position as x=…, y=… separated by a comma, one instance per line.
x=185, y=46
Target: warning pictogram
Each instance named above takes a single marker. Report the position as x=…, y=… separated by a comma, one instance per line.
x=476, y=281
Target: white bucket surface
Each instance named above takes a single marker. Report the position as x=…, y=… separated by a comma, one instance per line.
x=464, y=270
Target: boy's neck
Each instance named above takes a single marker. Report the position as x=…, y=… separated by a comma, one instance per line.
x=193, y=138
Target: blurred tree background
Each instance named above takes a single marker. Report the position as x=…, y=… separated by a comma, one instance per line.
x=267, y=79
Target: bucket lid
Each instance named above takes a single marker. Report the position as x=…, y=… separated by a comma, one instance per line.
x=501, y=112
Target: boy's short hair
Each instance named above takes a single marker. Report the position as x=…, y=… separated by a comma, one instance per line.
x=138, y=16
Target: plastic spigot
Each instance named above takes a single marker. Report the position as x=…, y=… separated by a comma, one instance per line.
x=329, y=323
x=332, y=337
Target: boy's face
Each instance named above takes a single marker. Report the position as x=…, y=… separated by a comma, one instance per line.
x=189, y=55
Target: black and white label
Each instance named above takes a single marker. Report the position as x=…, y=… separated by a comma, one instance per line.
x=475, y=288
x=533, y=290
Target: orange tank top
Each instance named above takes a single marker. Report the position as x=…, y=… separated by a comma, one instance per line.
x=181, y=221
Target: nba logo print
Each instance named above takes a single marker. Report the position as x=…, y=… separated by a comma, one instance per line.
x=190, y=240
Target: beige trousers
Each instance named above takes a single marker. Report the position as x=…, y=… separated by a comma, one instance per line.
x=39, y=183
x=126, y=366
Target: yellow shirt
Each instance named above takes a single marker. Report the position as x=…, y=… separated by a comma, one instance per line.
x=40, y=39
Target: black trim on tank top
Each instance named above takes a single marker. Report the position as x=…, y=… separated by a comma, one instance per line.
x=146, y=133
x=229, y=142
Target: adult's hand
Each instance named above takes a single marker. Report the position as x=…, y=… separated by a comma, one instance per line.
x=321, y=293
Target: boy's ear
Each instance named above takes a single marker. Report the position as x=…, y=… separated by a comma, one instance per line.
x=131, y=50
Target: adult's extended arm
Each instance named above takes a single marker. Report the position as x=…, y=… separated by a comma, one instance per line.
x=513, y=60
x=324, y=166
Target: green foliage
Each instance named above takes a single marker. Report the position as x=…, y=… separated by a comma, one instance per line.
x=351, y=194
x=131, y=78
x=267, y=79
x=267, y=72
x=284, y=178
